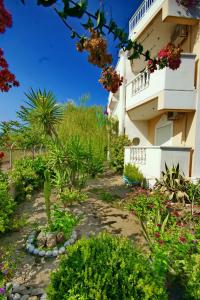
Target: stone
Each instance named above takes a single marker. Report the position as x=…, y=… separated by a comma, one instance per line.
x=49, y=253
x=51, y=240
x=36, y=251
x=20, y=289
x=37, y=292
x=67, y=243
x=41, y=239
x=60, y=237
x=10, y=297
x=44, y=297
x=16, y=296
x=42, y=253
x=24, y=297
x=33, y=298
x=31, y=249
x=30, y=240
x=61, y=250
x=55, y=253
x=71, y=241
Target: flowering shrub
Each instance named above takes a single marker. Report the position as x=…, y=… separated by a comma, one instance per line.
x=7, y=79
x=96, y=46
x=169, y=56
x=5, y=18
x=110, y=79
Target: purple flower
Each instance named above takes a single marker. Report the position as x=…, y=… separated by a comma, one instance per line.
x=2, y=291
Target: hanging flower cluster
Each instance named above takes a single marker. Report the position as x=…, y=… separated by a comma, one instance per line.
x=169, y=56
x=5, y=18
x=188, y=3
x=96, y=46
x=110, y=79
x=7, y=79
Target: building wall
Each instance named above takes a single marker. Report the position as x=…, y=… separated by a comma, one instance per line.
x=137, y=129
x=183, y=130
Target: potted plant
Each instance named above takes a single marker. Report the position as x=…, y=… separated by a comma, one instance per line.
x=132, y=175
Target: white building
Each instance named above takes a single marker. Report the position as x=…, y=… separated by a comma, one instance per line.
x=161, y=111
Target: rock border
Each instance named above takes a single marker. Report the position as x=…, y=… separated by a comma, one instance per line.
x=30, y=247
x=22, y=292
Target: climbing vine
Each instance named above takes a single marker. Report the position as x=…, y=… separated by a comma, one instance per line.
x=7, y=79
x=95, y=44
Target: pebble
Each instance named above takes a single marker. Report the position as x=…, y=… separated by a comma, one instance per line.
x=55, y=252
x=36, y=251
x=41, y=253
x=16, y=296
x=37, y=292
x=24, y=297
x=61, y=250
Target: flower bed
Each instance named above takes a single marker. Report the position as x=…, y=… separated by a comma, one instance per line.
x=32, y=249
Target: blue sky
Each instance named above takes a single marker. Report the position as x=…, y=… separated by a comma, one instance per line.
x=41, y=54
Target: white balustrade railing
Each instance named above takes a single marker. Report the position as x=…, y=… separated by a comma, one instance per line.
x=138, y=155
x=140, y=82
x=140, y=12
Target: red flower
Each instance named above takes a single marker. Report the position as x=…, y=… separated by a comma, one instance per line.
x=175, y=213
x=2, y=154
x=5, y=18
x=161, y=242
x=182, y=239
x=159, y=225
x=157, y=234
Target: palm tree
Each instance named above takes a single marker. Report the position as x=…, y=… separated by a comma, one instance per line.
x=43, y=110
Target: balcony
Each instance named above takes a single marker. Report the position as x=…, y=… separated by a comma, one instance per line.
x=162, y=90
x=151, y=160
x=143, y=15
x=172, y=12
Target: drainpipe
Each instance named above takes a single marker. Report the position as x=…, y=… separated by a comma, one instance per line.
x=122, y=97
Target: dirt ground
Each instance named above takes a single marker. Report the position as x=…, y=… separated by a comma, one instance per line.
x=97, y=216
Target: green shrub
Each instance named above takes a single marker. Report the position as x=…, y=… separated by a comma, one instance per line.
x=116, y=149
x=62, y=222
x=7, y=206
x=107, y=268
x=69, y=196
x=27, y=176
x=133, y=174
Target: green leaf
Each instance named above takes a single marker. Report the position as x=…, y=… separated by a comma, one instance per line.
x=73, y=35
x=89, y=24
x=101, y=20
x=135, y=55
x=112, y=26
x=77, y=11
x=147, y=55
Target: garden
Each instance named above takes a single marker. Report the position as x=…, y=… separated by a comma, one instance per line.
x=75, y=222
x=71, y=209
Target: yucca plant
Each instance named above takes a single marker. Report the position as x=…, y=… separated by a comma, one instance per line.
x=173, y=183
x=43, y=110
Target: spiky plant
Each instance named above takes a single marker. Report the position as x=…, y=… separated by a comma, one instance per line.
x=42, y=109
x=173, y=184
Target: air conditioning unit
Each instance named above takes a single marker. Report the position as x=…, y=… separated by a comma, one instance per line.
x=180, y=34
x=174, y=115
